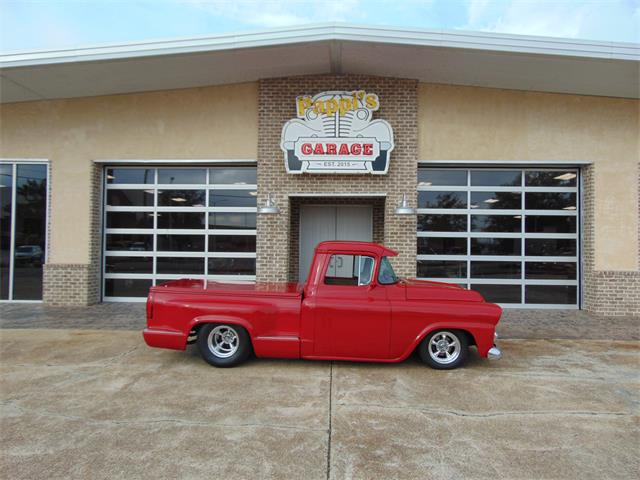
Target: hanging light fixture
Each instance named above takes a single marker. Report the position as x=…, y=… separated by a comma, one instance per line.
x=403, y=208
x=269, y=208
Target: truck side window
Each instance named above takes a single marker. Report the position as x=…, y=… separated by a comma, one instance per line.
x=352, y=270
x=386, y=275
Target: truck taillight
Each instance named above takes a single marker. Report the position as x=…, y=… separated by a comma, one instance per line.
x=149, y=306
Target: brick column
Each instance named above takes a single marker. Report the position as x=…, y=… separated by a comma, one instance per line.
x=605, y=292
x=78, y=284
x=398, y=106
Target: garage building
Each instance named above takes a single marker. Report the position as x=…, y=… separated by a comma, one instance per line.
x=507, y=164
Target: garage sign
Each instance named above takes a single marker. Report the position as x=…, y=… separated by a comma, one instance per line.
x=334, y=132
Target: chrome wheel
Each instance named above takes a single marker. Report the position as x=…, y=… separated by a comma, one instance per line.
x=223, y=341
x=444, y=348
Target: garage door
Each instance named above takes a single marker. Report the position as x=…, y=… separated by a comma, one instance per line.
x=167, y=223
x=510, y=234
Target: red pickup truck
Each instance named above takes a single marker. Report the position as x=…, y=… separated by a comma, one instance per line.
x=352, y=307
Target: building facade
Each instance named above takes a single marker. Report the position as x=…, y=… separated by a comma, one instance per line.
x=530, y=197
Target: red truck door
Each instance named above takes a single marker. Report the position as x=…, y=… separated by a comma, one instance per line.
x=351, y=312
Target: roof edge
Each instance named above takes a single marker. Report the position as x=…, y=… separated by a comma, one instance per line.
x=499, y=42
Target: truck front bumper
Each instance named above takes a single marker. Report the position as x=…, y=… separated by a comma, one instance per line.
x=494, y=353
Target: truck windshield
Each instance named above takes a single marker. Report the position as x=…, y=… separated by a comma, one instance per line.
x=386, y=275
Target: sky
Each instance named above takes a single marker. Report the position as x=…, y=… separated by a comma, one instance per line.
x=54, y=24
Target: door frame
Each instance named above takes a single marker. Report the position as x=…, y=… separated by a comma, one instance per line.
x=328, y=205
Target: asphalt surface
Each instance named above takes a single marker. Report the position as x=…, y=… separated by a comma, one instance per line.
x=100, y=404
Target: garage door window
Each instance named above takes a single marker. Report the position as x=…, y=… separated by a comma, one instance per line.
x=511, y=234
x=169, y=223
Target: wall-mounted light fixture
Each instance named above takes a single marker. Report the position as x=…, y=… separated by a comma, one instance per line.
x=269, y=208
x=403, y=208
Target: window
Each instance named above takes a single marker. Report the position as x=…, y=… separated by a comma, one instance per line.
x=386, y=276
x=23, y=229
x=354, y=270
x=511, y=234
x=167, y=223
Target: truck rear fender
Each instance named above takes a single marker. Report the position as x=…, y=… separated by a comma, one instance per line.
x=197, y=322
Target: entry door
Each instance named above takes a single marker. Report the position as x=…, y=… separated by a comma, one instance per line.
x=319, y=223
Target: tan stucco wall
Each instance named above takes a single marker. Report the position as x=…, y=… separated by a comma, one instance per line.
x=213, y=123
x=470, y=123
x=455, y=123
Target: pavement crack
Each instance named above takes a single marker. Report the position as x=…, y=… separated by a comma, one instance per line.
x=458, y=413
x=115, y=358
x=330, y=431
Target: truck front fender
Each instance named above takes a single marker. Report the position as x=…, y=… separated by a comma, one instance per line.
x=481, y=333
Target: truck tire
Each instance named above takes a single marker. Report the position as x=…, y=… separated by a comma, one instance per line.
x=444, y=349
x=223, y=345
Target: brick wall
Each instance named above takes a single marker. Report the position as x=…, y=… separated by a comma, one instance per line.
x=69, y=284
x=276, y=257
x=605, y=292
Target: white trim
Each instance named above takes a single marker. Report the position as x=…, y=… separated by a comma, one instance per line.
x=24, y=160
x=129, y=231
x=162, y=162
x=507, y=163
x=579, y=247
x=549, y=236
x=178, y=186
x=435, y=234
x=223, y=209
x=179, y=231
x=479, y=188
x=127, y=253
x=129, y=186
x=228, y=231
x=331, y=194
x=333, y=31
x=12, y=231
x=232, y=278
x=20, y=301
x=128, y=276
x=496, y=212
x=497, y=258
x=140, y=209
x=547, y=281
x=124, y=299
x=180, y=254
x=505, y=281
x=230, y=255
x=233, y=186
x=539, y=306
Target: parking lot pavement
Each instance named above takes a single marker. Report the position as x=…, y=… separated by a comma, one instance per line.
x=100, y=404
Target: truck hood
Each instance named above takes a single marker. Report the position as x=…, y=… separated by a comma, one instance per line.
x=426, y=290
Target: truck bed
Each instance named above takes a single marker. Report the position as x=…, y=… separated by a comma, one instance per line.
x=253, y=289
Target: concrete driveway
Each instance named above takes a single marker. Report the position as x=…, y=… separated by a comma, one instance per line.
x=100, y=404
